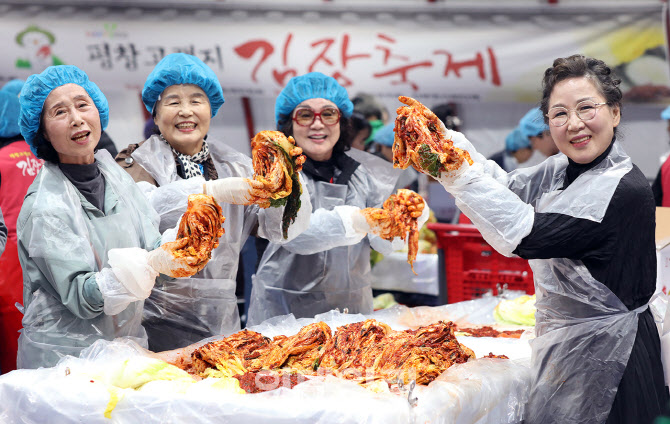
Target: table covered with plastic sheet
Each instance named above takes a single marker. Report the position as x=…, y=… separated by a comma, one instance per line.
x=479, y=391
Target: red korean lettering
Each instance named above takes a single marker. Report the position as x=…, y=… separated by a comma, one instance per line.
x=455, y=67
x=248, y=49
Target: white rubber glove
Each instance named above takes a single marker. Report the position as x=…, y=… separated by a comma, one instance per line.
x=164, y=262
x=235, y=190
x=355, y=224
x=129, y=278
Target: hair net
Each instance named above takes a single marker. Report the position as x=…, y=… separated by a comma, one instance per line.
x=516, y=140
x=14, y=87
x=385, y=135
x=36, y=90
x=532, y=124
x=666, y=113
x=314, y=85
x=182, y=68
x=9, y=114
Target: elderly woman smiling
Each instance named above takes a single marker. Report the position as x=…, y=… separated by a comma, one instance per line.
x=84, y=228
x=183, y=94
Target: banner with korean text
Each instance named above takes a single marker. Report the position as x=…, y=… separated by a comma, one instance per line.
x=468, y=62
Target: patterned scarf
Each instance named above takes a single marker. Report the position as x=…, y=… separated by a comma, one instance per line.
x=192, y=164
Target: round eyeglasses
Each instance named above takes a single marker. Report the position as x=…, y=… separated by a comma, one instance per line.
x=586, y=110
x=305, y=117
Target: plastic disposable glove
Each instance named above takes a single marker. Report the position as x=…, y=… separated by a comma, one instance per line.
x=356, y=223
x=162, y=260
x=129, y=278
x=425, y=214
x=235, y=190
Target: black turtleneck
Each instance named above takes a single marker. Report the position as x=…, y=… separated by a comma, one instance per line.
x=88, y=180
x=337, y=170
x=575, y=169
x=619, y=251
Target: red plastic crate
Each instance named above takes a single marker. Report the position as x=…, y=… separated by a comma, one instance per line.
x=473, y=267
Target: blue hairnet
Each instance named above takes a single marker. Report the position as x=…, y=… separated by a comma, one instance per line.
x=14, y=87
x=385, y=135
x=38, y=87
x=666, y=113
x=314, y=85
x=532, y=124
x=9, y=114
x=182, y=68
x=516, y=140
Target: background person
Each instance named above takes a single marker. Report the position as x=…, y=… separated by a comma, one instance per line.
x=183, y=94
x=84, y=229
x=328, y=265
x=384, y=149
x=585, y=219
x=534, y=128
x=661, y=183
x=517, y=151
x=18, y=168
x=362, y=131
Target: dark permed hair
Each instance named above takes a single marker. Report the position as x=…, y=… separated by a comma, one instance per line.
x=343, y=144
x=576, y=66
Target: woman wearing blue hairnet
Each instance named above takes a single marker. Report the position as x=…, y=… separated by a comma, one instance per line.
x=534, y=128
x=183, y=94
x=328, y=265
x=85, y=230
x=585, y=220
x=517, y=151
x=383, y=148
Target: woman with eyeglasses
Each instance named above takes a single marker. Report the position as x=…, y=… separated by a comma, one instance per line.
x=585, y=220
x=183, y=94
x=328, y=265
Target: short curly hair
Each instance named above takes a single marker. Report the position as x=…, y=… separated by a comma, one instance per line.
x=603, y=77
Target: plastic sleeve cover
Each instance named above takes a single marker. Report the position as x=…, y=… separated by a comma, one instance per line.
x=499, y=214
x=326, y=230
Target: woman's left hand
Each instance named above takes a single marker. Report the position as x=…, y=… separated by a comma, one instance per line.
x=235, y=190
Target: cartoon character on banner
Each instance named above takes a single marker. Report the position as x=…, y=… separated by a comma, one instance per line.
x=37, y=43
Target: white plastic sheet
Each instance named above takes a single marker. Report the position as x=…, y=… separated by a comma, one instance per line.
x=480, y=391
x=393, y=273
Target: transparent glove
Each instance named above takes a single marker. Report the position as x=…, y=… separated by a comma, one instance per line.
x=425, y=214
x=356, y=223
x=129, y=278
x=162, y=260
x=235, y=190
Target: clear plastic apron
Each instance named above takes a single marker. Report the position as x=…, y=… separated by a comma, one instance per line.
x=585, y=334
x=50, y=330
x=183, y=311
x=306, y=285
